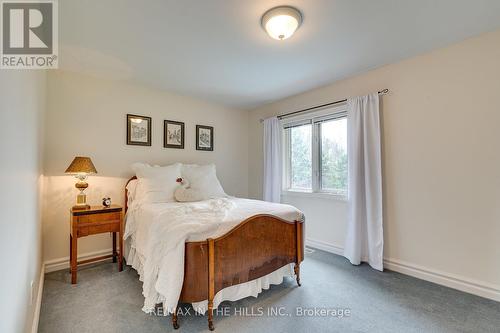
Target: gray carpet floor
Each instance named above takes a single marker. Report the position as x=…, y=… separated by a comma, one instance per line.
x=105, y=300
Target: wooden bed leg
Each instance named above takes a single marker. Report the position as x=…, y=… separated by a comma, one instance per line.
x=296, y=269
x=175, y=323
x=210, y=315
x=299, y=246
x=211, y=282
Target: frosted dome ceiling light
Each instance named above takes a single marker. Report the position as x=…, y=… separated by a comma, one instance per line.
x=281, y=22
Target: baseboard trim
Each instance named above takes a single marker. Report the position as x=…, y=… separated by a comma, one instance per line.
x=317, y=244
x=461, y=283
x=38, y=304
x=63, y=263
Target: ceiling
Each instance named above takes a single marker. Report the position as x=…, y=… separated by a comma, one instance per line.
x=216, y=49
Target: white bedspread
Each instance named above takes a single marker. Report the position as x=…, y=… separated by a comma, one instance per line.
x=156, y=233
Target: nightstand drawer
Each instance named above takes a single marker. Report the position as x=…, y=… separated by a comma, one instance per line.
x=99, y=217
x=98, y=228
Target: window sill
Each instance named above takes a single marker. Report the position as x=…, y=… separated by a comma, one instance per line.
x=307, y=194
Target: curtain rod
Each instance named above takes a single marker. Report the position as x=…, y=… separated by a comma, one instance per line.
x=281, y=116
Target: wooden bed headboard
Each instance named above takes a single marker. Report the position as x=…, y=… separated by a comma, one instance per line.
x=126, y=192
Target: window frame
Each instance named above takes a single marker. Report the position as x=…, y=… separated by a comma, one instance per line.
x=315, y=119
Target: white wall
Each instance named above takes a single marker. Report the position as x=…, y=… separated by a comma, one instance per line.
x=326, y=219
x=87, y=116
x=22, y=104
x=441, y=162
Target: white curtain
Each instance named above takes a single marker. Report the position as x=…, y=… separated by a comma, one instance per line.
x=272, y=160
x=364, y=239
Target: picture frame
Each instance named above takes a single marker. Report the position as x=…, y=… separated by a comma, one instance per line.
x=173, y=134
x=138, y=130
x=204, y=138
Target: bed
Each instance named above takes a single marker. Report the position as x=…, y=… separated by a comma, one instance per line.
x=233, y=248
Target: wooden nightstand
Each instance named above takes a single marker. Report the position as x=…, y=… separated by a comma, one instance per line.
x=92, y=221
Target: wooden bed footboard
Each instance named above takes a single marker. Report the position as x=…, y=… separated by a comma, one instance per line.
x=254, y=248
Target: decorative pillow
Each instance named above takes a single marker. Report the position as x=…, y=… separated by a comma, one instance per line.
x=156, y=184
x=203, y=182
x=185, y=193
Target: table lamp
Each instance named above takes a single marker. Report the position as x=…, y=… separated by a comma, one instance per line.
x=81, y=167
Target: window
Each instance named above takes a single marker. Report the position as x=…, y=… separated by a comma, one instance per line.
x=301, y=157
x=315, y=153
x=333, y=155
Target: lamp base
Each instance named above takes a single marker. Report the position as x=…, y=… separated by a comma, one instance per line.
x=81, y=207
x=81, y=201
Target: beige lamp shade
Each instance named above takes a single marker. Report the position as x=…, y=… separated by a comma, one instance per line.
x=81, y=165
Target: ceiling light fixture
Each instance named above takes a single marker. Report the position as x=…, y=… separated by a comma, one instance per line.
x=281, y=22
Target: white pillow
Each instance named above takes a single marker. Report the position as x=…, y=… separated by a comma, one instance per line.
x=203, y=181
x=156, y=184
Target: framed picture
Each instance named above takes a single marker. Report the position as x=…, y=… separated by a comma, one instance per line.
x=204, y=138
x=138, y=130
x=173, y=134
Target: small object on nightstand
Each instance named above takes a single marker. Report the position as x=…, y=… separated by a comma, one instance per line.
x=106, y=202
x=92, y=221
x=81, y=167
